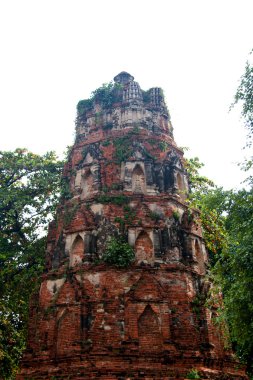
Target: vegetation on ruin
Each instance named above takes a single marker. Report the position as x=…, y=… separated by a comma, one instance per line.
x=106, y=143
x=124, y=147
x=65, y=191
x=118, y=253
x=105, y=95
x=244, y=97
x=155, y=216
x=163, y=145
x=118, y=200
x=193, y=374
x=127, y=219
x=146, y=96
x=69, y=212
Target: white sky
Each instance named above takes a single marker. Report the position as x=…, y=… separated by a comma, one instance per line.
x=55, y=52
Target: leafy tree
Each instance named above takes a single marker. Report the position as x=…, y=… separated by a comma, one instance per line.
x=212, y=202
x=244, y=95
x=235, y=266
x=234, y=272
x=227, y=221
x=29, y=189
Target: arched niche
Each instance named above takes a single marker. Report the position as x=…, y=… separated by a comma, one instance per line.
x=88, y=159
x=144, y=249
x=77, y=251
x=87, y=184
x=138, y=180
x=149, y=330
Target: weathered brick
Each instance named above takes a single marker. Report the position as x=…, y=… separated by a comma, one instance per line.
x=91, y=320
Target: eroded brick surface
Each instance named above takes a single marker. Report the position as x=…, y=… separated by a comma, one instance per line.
x=125, y=178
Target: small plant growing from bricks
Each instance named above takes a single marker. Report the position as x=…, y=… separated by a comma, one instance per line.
x=155, y=216
x=115, y=199
x=118, y=252
x=193, y=374
x=176, y=216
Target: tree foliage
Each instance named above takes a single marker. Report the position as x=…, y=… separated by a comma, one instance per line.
x=227, y=221
x=244, y=96
x=29, y=189
x=234, y=271
x=235, y=267
x=212, y=202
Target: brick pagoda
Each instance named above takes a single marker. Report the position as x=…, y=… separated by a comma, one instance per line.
x=125, y=184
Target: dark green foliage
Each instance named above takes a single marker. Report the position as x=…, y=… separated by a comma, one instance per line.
x=118, y=253
x=119, y=200
x=106, y=143
x=128, y=218
x=193, y=374
x=105, y=95
x=176, y=216
x=129, y=214
x=227, y=221
x=123, y=148
x=108, y=125
x=198, y=183
x=163, y=145
x=146, y=96
x=155, y=216
x=84, y=106
x=235, y=267
x=29, y=191
x=211, y=201
x=69, y=213
x=244, y=95
x=65, y=189
x=234, y=273
x=121, y=222
x=116, y=186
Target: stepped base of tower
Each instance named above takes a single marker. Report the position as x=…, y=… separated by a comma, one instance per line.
x=115, y=367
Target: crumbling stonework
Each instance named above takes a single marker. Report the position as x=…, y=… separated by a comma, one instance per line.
x=125, y=178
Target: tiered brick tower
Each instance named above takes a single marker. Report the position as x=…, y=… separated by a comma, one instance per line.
x=125, y=181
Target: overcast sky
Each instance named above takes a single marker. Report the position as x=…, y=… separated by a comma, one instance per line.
x=55, y=52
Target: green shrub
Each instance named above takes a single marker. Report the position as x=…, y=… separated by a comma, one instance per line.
x=154, y=216
x=176, y=216
x=193, y=374
x=118, y=252
x=83, y=106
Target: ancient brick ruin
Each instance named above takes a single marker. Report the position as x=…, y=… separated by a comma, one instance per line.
x=125, y=181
